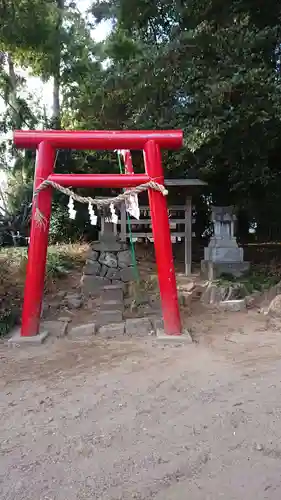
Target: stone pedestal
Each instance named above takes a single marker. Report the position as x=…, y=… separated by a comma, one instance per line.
x=223, y=256
x=109, y=262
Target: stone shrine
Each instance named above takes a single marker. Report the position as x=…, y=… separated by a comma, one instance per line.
x=223, y=256
x=109, y=262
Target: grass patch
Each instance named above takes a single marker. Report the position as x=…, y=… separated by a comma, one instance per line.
x=258, y=278
x=61, y=260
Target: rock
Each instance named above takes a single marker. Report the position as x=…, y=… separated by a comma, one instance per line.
x=233, y=305
x=87, y=330
x=205, y=297
x=74, y=301
x=55, y=328
x=114, y=286
x=187, y=287
x=113, y=294
x=104, y=270
x=275, y=306
x=93, y=255
x=124, y=258
x=114, y=305
x=127, y=274
x=92, y=268
x=65, y=319
x=118, y=282
x=185, y=299
x=249, y=301
x=93, y=284
x=138, y=327
x=113, y=274
x=107, y=317
x=109, y=259
x=54, y=304
x=210, y=296
x=112, y=330
x=214, y=294
x=158, y=324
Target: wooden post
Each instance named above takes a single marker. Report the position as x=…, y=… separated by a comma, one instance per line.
x=188, y=236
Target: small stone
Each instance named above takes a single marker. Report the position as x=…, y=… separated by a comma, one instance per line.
x=118, y=283
x=215, y=295
x=189, y=287
x=93, y=284
x=107, y=317
x=124, y=258
x=65, y=319
x=104, y=270
x=109, y=259
x=55, y=304
x=113, y=274
x=56, y=328
x=92, y=268
x=112, y=305
x=115, y=286
x=113, y=294
x=93, y=255
x=158, y=324
x=233, y=305
x=138, y=327
x=127, y=274
x=112, y=330
x=87, y=330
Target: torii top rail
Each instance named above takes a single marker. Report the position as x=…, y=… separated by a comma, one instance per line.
x=47, y=142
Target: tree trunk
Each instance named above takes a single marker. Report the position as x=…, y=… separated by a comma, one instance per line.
x=56, y=115
x=12, y=98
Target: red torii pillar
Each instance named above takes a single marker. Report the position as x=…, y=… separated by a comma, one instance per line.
x=47, y=142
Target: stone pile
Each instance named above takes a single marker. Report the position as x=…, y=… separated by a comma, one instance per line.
x=109, y=262
x=108, y=268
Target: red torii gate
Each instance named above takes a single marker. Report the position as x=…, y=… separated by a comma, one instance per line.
x=47, y=142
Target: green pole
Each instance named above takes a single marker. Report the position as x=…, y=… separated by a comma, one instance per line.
x=134, y=260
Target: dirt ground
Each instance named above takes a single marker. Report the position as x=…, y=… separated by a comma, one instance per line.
x=132, y=419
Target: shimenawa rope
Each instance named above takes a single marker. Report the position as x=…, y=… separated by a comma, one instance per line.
x=99, y=203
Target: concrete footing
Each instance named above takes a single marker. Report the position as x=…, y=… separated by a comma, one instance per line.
x=18, y=340
x=184, y=338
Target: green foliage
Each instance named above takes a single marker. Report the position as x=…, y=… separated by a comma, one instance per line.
x=61, y=260
x=259, y=278
x=63, y=229
x=26, y=25
x=207, y=67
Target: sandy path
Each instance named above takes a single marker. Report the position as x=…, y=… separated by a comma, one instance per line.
x=132, y=420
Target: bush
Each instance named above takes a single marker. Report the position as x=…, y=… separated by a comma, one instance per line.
x=61, y=260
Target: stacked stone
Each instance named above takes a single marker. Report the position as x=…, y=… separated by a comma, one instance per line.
x=109, y=262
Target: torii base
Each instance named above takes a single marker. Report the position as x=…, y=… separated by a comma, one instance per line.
x=17, y=340
x=183, y=338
